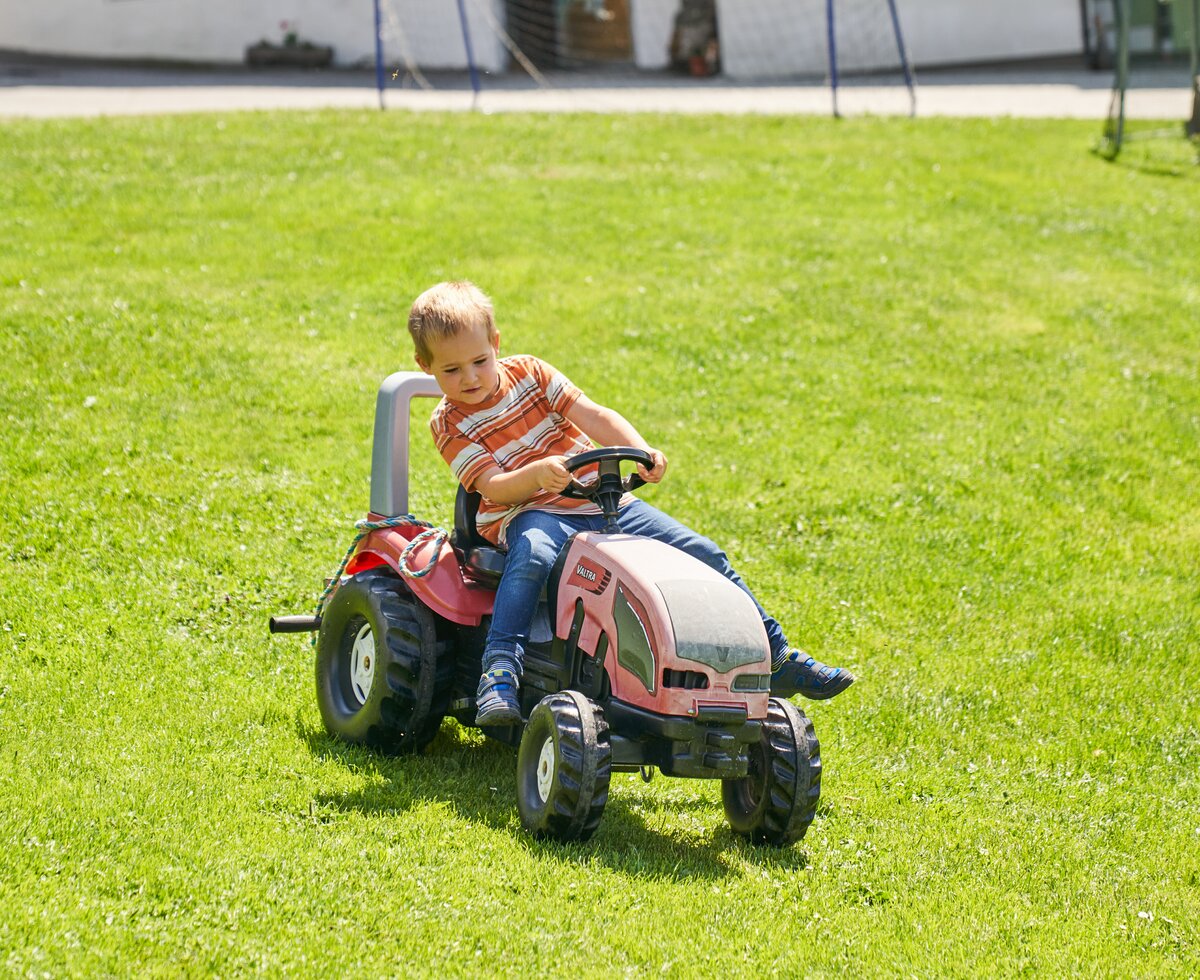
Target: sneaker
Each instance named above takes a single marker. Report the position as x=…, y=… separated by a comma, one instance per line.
x=496, y=699
x=801, y=674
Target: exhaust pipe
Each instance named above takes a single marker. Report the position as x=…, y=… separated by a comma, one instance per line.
x=295, y=624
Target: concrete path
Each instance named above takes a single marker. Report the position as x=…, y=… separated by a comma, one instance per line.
x=32, y=87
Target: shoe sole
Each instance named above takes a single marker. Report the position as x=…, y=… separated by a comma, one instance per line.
x=834, y=687
x=500, y=715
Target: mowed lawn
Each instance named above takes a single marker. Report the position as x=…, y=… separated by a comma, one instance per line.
x=934, y=385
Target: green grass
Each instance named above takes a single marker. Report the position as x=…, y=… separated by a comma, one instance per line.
x=933, y=385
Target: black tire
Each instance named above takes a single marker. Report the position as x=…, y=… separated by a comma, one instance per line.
x=776, y=801
x=563, y=768
x=400, y=705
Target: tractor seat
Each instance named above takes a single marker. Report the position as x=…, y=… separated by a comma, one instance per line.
x=483, y=561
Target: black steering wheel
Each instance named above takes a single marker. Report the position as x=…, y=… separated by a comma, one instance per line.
x=605, y=454
x=606, y=490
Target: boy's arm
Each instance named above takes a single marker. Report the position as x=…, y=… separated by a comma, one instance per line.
x=519, y=485
x=609, y=428
x=476, y=468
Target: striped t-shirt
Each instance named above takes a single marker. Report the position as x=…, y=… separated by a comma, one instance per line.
x=523, y=421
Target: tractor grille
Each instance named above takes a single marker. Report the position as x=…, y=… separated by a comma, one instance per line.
x=691, y=680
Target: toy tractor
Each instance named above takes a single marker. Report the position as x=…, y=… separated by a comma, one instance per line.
x=640, y=657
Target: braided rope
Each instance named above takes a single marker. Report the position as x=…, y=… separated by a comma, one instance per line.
x=364, y=528
x=432, y=534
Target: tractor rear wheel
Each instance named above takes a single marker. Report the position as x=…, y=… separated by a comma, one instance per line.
x=776, y=801
x=383, y=676
x=563, y=768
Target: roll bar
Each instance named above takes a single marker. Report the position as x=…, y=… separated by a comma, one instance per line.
x=389, y=451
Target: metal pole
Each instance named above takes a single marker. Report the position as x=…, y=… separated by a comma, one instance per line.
x=1122, y=64
x=1193, y=126
x=1195, y=32
x=378, y=53
x=1087, y=35
x=466, y=33
x=908, y=79
x=833, y=70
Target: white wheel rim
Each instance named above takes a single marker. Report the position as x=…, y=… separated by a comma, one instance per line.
x=362, y=663
x=545, y=769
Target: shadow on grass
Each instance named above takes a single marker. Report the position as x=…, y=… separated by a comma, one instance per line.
x=1140, y=158
x=478, y=777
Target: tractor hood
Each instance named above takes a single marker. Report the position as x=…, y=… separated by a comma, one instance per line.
x=675, y=635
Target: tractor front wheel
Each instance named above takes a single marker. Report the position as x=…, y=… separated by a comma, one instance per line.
x=775, y=802
x=563, y=768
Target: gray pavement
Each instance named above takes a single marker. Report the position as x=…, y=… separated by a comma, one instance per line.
x=38, y=87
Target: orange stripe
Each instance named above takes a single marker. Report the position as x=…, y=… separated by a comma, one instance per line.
x=493, y=433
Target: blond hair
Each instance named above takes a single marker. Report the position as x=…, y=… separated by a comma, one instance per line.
x=447, y=309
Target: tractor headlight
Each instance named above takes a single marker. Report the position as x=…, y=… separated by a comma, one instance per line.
x=751, y=682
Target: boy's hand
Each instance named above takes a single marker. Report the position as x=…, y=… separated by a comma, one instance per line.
x=659, y=470
x=552, y=473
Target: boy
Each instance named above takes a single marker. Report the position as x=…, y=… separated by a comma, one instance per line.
x=506, y=428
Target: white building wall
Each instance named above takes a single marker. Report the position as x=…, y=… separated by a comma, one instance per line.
x=431, y=33
x=653, y=24
x=220, y=30
x=759, y=38
x=949, y=32
x=757, y=41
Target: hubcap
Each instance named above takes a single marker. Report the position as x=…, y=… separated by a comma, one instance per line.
x=545, y=769
x=362, y=663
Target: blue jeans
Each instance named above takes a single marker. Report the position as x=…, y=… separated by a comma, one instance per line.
x=534, y=540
